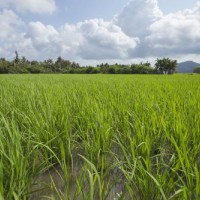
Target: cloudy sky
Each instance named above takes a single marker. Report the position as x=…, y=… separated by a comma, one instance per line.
x=95, y=31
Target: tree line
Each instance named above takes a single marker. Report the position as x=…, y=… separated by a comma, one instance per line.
x=21, y=65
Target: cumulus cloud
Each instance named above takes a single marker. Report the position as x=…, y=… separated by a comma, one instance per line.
x=176, y=33
x=42, y=35
x=159, y=34
x=34, y=6
x=90, y=39
x=9, y=23
x=141, y=30
x=12, y=36
x=137, y=15
x=104, y=40
x=135, y=20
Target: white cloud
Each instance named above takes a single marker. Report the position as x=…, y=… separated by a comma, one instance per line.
x=23, y=45
x=70, y=39
x=159, y=34
x=176, y=33
x=139, y=31
x=9, y=23
x=42, y=35
x=104, y=40
x=44, y=40
x=135, y=19
x=12, y=36
x=34, y=6
x=137, y=15
x=90, y=39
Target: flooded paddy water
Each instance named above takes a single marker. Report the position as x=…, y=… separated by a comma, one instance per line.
x=52, y=184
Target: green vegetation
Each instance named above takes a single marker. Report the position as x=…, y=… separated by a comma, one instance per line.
x=62, y=66
x=196, y=70
x=99, y=137
x=166, y=66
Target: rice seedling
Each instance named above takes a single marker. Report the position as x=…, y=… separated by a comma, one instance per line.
x=99, y=137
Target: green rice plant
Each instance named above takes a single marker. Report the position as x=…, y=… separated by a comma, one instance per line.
x=138, y=137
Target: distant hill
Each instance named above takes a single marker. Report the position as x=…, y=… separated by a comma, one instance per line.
x=187, y=67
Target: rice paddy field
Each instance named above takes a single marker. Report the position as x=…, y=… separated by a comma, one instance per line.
x=101, y=137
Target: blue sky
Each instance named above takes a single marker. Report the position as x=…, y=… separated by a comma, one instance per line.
x=73, y=11
x=93, y=31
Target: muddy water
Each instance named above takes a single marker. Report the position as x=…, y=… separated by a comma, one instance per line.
x=45, y=184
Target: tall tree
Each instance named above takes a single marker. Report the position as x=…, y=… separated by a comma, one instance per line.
x=16, y=60
x=166, y=66
x=59, y=64
x=196, y=70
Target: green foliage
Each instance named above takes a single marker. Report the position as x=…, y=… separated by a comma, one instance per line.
x=196, y=70
x=22, y=65
x=166, y=66
x=4, y=66
x=142, y=68
x=99, y=137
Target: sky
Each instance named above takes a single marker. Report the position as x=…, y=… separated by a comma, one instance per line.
x=96, y=31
